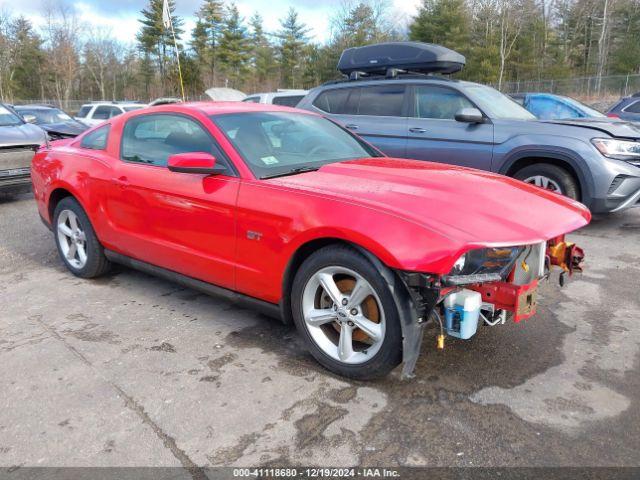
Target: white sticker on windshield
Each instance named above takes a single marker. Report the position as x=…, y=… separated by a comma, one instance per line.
x=270, y=160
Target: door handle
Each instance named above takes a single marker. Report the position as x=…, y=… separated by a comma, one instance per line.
x=418, y=130
x=351, y=126
x=121, y=181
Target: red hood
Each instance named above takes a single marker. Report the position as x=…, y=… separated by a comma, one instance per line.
x=466, y=205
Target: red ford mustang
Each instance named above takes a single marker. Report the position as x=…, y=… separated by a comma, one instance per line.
x=287, y=211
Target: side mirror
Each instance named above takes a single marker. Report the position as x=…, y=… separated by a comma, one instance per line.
x=194, y=162
x=469, y=115
x=30, y=118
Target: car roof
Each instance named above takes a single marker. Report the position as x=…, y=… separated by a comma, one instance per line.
x=35, y=107
x=220, y=108
x=113, y=104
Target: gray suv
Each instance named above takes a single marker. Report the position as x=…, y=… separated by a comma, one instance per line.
x=429, y=117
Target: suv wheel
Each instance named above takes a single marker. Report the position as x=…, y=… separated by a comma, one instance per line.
x=550, y=177
x=77, y=243
x=346, y=313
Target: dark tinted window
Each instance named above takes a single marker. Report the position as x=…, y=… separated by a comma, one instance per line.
x=252, y=100
x=438, y=102
x=151, y=139
x=633, y=108
x=96, y=140
x=84, y=111
x=380, y=101
x=333, y=101
x=104, y=112
x=291, y=101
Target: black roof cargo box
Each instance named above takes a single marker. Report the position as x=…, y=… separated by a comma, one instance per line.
x=414, y=57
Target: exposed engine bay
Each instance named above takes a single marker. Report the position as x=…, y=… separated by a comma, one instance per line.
x=486, y=287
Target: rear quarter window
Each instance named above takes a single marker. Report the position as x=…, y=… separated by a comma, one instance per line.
x=332, y=101
x=96, y=140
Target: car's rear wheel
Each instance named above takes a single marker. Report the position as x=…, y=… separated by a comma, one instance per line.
x=550, y=177
x=346, y=313
x=76, y=240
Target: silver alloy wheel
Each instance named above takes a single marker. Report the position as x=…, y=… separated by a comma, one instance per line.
x=72, y=239
x=544, y=182
x=343, y=314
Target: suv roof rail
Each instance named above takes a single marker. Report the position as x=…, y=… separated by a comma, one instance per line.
x=399, y=75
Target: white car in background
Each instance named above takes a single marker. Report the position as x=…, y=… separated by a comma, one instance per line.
x=97, y=112
x=287, y=98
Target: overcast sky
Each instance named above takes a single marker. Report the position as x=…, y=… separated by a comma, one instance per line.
x=121, y=16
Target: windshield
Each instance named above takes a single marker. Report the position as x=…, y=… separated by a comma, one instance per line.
x=497, y=105
x=132, y=108
x=282, y=143
x=45, y=116
x=588, y=111
x=8, y=118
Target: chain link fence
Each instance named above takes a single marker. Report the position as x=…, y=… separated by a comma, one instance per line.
x=599, y=92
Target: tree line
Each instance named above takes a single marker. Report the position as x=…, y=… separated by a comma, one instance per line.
x=503, y=40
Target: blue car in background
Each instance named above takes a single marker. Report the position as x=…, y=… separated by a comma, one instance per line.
x=547, y=106
x=627, y=109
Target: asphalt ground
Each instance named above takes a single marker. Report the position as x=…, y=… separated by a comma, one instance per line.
x=130, y=370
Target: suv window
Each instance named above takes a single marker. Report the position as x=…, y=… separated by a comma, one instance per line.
x=151, y=139
x=439, y=102
x=96, y=140
x=333, y=101
x=252, y=100
x=84, y=111
x=290, y=101
x=104, y=112
x=379, y=101
x=633, y=108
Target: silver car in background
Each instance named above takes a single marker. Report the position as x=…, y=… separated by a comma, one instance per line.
x=18, y=142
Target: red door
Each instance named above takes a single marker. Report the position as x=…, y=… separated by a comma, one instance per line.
x=183, y=222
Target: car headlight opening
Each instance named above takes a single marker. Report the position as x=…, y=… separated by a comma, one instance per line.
x=618, y=149
x=482, y=265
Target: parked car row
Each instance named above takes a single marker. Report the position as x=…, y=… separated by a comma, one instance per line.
x=315, y=215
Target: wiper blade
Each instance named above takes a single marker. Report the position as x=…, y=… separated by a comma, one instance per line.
x=290, y=172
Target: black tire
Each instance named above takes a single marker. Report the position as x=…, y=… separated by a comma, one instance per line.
x=389, y=354
x=561, y=176
x=96, y=264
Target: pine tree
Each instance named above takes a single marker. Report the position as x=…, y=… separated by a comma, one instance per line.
x=445, y=22
x=233, y=49
x=26, y=76
x=206, y=36
x=154, y=38
x=262, y=55
x=292, y=39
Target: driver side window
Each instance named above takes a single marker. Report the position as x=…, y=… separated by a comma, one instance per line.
x=152, y=139
x=439, y=102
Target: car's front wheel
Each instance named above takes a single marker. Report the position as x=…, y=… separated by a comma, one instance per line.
x=77, y=243
x=550, y=177
x=347, y=314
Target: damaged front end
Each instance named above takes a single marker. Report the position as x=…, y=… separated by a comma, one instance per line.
x=485, y=286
